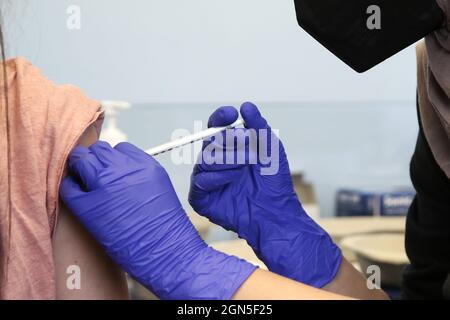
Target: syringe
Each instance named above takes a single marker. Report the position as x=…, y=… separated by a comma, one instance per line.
x=191, y=138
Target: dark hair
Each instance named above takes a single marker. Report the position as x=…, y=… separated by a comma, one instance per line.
x=4, y=110
x=3, y=57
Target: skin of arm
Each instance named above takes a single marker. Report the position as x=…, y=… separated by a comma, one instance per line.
x=350, y=282
x=100, y=277
x=265, y=285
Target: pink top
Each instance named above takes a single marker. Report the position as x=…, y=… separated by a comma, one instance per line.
x=39, y=127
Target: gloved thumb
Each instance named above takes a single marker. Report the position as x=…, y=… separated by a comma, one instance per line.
x=70, y=189
x=212, y=180
x=252, y=117
x=223, y=116
x=133, y=152
x=84, y=164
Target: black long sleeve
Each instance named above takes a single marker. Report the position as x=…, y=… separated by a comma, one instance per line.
x=427, y=228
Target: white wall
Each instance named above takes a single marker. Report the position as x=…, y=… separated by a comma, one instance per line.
x=194, y=51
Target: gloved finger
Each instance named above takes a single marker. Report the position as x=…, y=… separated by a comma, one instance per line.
x=237, y=141
x=208, y=162
x=214, y=141
x=209, y=165
x=134, y=152
x=70, y=189
x=106, y=154
x=239, y=155
x=210, y=181
x=266, y=137
x=229, y=139
x=85, y=165
x=223, y=116
x=252, y=117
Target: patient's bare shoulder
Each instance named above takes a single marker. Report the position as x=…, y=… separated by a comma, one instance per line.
x=77, y=253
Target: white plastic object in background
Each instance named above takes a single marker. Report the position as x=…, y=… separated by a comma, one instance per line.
x=111, y=132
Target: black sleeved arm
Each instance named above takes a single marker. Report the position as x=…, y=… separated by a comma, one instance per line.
x=427, y=228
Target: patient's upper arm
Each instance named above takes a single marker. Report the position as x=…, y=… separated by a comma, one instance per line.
x=100, y=277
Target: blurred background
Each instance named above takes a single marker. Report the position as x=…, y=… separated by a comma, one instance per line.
x=349, y=137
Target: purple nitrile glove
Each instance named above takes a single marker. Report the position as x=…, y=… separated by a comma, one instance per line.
x=125, y=198
x=257, y=200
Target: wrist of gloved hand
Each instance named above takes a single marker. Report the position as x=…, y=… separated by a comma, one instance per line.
x=183, y=267
x=292, y=245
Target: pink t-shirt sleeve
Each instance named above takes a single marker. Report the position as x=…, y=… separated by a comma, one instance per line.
x=44, y=122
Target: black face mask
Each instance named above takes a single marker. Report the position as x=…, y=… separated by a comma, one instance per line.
x=363, y=33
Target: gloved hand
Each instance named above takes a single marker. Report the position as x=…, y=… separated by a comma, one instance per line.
x=126, y=200
x=261, y=208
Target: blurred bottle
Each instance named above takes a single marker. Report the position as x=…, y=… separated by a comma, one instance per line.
x=111, y=132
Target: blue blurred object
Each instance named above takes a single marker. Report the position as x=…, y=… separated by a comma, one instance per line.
x=396, y=203
x=353, y=202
